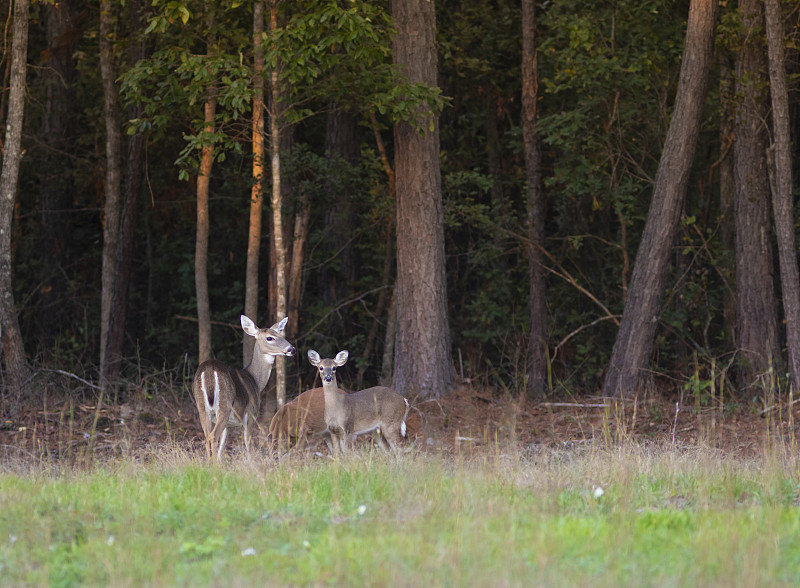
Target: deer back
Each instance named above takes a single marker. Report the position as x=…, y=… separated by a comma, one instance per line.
x=303, y=416
x=372, y=407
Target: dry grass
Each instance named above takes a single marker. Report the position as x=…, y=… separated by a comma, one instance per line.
x=488, y=492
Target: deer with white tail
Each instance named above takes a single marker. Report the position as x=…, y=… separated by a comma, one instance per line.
x=227, y=396
x=378, y=410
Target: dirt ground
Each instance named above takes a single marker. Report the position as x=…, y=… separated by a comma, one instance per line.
x=468, y=418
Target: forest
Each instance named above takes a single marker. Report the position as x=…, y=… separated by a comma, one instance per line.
x=545, y=199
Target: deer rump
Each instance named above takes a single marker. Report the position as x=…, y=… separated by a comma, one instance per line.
x=210, y=378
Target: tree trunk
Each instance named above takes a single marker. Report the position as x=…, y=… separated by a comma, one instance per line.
x=342, y=146
x=277, y=217
x=203, y=220
x=134, y=164
x=17, y=370
x=782, y=201
x=726, y=189
x=388, y=264
x=423, y=365
x=388, y=342
x=257, y=192
x=113, y=179
x=201, y=242
x=756, y=332
x=637, y=329
x=57, y=171
x=537, y=343
x=301, y=220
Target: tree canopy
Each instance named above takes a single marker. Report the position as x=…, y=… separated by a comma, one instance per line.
x=608, y=75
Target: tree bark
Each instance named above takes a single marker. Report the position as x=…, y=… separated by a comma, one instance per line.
x=757, y=330
x=726, y=188
x=423, y=365
x=388, y=341
x=301, y=220
x=17, y=370
x=782, y=203
x=257, y=192
x=113, y=177
x=57, y=167
x=201, y=241
x=134, y=164
x=537, y=342
x=277, y=214
x=203, y=221
x=342, y=146
x=634, y=342
x=388, y=265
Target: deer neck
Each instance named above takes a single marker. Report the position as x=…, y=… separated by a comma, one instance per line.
x=331, y=392
x=261, y=368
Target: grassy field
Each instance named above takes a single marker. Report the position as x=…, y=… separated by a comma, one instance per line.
x=633, y=515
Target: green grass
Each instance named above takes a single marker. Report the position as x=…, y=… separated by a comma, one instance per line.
x=667, y=517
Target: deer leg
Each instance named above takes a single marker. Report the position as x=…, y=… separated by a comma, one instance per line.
x=246, y=432
x=383, y=440
x=205, y=423
x=391, y=436
x=337, y=440
x=222, y=440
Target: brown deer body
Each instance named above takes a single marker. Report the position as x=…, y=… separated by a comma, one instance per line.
x=377, y=410
x=302, y=421
x=227, y=396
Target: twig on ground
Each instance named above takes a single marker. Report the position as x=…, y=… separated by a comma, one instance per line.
x=572, y=404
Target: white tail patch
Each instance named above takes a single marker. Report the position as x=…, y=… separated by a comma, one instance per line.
x=403, y=429
x=211, y=409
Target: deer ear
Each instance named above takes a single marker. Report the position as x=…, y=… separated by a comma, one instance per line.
x=281, y=325
x=313, y=357
x=341, y=358
x=249, y=326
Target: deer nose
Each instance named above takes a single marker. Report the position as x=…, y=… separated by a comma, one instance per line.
x=290, y=352
x=328, y=378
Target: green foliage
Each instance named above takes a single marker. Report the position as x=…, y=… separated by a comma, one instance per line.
x=607, y=71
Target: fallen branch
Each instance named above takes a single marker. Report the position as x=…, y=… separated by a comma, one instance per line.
x=572, y=405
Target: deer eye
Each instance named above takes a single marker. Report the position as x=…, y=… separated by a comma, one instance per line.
x=333, y=369
x=269, y=338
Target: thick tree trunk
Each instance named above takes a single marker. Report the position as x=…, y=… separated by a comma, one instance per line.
x=277, y=215
x=537, y=343
x=637, y=329
x=17, y=370
x=257, y=191
x=757, y=329
x=726, y=189
x=342, y=144
x=113, y=179
x=782, y=201
x=134, y=166
x=57, y=170
x=423, y=365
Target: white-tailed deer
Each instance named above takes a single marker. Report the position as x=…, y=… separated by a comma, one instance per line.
x=378, y=409
x=229, y=396
x=301, y=422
